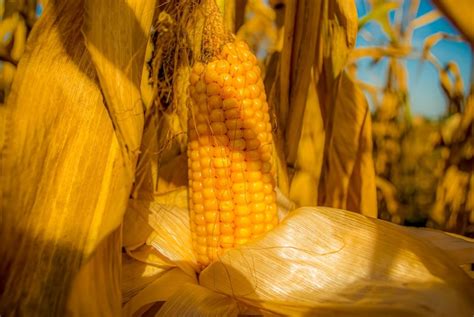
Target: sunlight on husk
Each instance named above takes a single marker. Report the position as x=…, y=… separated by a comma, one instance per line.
x=296, y=270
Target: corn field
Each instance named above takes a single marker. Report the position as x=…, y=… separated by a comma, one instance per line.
x=226, y=158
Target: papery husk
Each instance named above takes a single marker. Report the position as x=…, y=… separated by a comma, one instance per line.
x=348, y=175
x=322, y=261
x=64, y=179
x=117, y=51
x=459, y=248
x=309, y=156
x=351, y=265
x=96, y=290
x=195, y=300
x=169, y=283
x=347, y=178
x=172, y=234
x=140, y=268
x=323, y=133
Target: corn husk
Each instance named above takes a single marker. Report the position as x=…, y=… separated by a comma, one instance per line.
x=351, y=265
x=65, y=180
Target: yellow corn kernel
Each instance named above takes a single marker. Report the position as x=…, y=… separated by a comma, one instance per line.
x=249, y=134
x=213, y=229
x=227, y=228
x=237, y=177
x=222, y=66
x=200, y=230
x=257, y=217
x=210, y=204
x=227, y=92
x=198, y=197
x=223, y=182
x=226, y=205
x=243, y=221
x=198, y=208
x=237, y=166
x=255, y=187
x=258, y=228
x=199, y=219
x=226, y=216
x=218, y=128
x=238, y=144
x=217, y=115
x=232, y=113
x=213, y=88
x=221, y=162
x=240, y=241
x=235, y=134
x=214, y=241
x=234, y=124
x=242, y=210
x=237, y=156
x=227, y=241
x=243, y=232
x=211, y=216
x=239, y=82
x=252, y=155
x=214, y=102
x=202, y=249
x=258, y=197
x=252, y=144
x=224, y=194
x=230, y=103
x=239, y=187
x=231, y=175
x=221, y=140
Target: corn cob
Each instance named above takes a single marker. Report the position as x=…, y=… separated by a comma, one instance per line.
x=230, y=154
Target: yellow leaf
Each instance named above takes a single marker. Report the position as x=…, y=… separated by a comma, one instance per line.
x=64, y=186
x=172, y=234
x=140, y=268
x=325, y=261
x=350, y=265
x=96, y=289
x=348, y=177
x=195, y=300
x=162, y=289
x=116, y=34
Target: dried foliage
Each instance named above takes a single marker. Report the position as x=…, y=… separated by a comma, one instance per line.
x=93, y=179
x=419, y=182
x=65, y=176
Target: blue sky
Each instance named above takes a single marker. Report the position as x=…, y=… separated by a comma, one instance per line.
x=426, y=96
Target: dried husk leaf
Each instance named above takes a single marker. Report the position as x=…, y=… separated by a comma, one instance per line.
x=459, y=248
x=96, y=289
x=140, y=268
x=172, y=235
x=309, y=156
x=295, y=70
x=64, y=182
x=348, y=177
x=351, y=265
x=170, y=282
x=195, y=300
x=118, y=51
x=54, y=167
x=354, y=270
